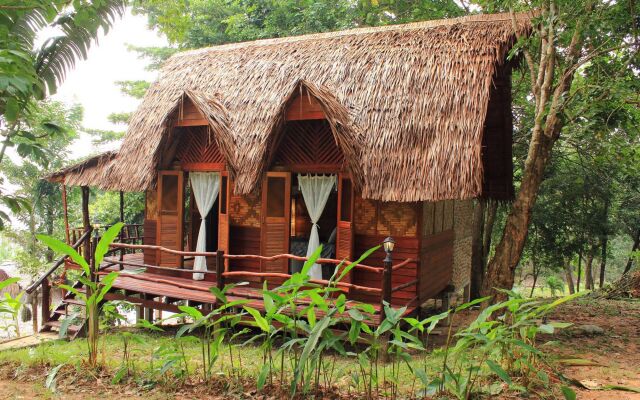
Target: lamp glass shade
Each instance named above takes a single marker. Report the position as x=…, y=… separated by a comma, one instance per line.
x=388, y=244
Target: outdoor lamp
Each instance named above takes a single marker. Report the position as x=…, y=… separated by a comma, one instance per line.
x=388, y=244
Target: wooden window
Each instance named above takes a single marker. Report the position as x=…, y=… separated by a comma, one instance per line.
x=275, y=200
x=346, y=199
x=169, y=193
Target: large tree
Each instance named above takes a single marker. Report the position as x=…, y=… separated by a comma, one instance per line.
x=567, y=36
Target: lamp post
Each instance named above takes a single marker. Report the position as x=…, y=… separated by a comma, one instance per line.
x=388, y=244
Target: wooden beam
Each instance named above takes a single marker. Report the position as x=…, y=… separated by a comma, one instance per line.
x=65, y=211
x=86, y=222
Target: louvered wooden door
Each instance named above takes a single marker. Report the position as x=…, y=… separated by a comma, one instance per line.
x=170, y=216
x=276, y=213
x=344, y=238
x=223, y=216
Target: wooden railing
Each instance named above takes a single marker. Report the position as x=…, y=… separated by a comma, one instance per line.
x=43, y=280
x=222, y=273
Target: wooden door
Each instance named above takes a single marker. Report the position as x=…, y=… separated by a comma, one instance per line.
x=344, y=238
x=275, y=215
x=170, y=216
x=223, y=213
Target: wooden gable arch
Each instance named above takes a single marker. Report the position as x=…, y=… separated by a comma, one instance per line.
x=312, y=131
x=199, y=126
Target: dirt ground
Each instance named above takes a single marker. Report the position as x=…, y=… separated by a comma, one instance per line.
x=598, y=363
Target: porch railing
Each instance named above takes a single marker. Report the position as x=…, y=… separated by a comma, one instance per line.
x=222, y=273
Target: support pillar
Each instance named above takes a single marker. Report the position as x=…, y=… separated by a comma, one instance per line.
x=86, y=222
x=65, y=210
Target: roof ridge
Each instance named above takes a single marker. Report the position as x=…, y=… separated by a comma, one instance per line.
x=427, y=24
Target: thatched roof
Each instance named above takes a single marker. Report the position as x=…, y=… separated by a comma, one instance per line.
x=93, y=171
x=406, y=103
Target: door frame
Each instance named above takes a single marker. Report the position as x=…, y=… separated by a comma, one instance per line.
x=179, y=213
x=265, y=220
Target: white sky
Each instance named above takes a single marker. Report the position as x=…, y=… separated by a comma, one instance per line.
x=92, y=82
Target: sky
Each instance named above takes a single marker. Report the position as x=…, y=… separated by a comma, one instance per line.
x=92, y=82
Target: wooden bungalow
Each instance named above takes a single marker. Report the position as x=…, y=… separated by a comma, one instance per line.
x=358, y=135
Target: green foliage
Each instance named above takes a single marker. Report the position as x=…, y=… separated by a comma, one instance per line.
x=10, y=307
x=135, y=89
x=555, y=284
x=96, y=287
x=105, y=208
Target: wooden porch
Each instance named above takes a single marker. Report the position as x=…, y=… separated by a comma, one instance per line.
x=163, y=288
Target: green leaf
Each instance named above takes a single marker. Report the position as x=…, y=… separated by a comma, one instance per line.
x=191, y=311
x=8, y=282
x=568, y=393
x=497, y=369
x=106, y=283
x=257, y=317
x=310, y=261
x=311, y=343
x=349, y=267
x=62, y=248
x=262, y=377
x=472, y=303
x=107, y=238
x=50, y=382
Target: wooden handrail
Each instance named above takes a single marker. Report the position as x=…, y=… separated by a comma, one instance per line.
x=287, y=276
x=404, y=285
x=167, y=250
x=403, y=264
x=299, y=258
x=148, y=266
x=57, y=264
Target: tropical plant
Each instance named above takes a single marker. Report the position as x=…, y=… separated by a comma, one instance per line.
x=10, y=307
x=555, y=285
x=213, y=325
x=96, y=288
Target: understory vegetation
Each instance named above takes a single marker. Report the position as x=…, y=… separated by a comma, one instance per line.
x=311, y=340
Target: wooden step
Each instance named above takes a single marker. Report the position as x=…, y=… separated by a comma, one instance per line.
x=75, y=302
x=57, y=324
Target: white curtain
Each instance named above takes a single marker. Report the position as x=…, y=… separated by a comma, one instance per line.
x=205, y=186
x=315, y=191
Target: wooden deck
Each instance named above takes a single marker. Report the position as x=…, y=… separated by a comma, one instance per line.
x=163, y=288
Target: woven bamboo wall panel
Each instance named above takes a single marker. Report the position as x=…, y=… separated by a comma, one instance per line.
x=245, y=210
x=198, y=146
x=308, y=143
x=397, y=219
x=365, y=218
x=385, y=218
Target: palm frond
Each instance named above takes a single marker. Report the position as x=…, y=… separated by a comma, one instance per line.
x=60, y=54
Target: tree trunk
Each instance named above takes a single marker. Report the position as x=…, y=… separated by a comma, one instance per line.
x=588, y=272
x=569, y=276
x=477, y=255
x=489, y=221
x=579, y=270
x=636, y=244
x=536, y=272
x=603, y=259
x=501, y=268
x=547, y=125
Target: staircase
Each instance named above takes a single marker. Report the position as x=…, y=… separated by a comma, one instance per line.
x=62, y=313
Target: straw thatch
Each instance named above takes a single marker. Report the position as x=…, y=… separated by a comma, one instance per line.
x=406, y=103
x=89, y=172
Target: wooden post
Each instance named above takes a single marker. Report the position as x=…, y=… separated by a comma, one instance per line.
x=46, y=302
x=122, y=251
x=386, y=281
x=386, y=298
x=220, y=269
x=65, y=211
x=86, y=222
